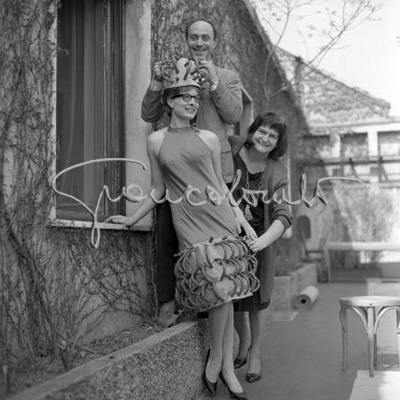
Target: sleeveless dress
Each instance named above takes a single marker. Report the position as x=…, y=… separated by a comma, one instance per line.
x=185, y=159
x=215, y=264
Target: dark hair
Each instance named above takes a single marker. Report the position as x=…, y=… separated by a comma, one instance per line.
x=274, y=121
x=191, y=22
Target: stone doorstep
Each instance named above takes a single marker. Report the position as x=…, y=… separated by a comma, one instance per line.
x=166, y=365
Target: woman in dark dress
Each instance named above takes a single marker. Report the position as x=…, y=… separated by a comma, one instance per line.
x=257, y=156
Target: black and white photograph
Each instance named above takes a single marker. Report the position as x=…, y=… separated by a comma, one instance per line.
x=200, y=199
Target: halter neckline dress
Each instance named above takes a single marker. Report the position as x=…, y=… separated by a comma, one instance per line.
x=214, y=264
x=185, y=159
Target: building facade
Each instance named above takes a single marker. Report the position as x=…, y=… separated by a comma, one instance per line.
x=72, y=141
x=351, y=135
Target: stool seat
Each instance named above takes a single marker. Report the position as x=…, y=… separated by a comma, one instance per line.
x=370, y=301
x=370, y=309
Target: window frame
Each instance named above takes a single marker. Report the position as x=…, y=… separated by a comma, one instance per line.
x=112, y=27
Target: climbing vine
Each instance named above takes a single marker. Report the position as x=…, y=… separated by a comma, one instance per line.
x=55, y=290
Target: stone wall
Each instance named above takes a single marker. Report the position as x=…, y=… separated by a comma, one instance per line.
x=166, y=366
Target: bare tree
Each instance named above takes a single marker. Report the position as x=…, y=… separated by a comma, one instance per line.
x=320, y=22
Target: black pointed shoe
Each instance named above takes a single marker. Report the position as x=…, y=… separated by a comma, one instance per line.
x=234, y=395
x=239, y=362
x=211, y=387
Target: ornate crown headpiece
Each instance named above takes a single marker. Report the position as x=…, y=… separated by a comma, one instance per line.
x=180, y=72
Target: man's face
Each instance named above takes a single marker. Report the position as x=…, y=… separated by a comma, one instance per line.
x=200, y=40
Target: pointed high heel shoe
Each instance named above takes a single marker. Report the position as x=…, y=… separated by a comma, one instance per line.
x=234, y=395
x=239, y=362
x=211, y=387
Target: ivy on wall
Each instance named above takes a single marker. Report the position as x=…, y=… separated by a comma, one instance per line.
x=54, y=288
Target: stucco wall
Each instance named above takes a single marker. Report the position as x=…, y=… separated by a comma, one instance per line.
x=137, y=77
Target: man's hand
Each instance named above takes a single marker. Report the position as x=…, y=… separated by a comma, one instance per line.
x=207, y=73
x=157, y=71
x=161, y=74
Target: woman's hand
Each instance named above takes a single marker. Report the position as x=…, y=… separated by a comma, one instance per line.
x=257, y=244
x=242, y=224
x=274, y=232
x=120, y=219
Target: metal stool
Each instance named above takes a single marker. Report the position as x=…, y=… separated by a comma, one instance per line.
x=370, y=309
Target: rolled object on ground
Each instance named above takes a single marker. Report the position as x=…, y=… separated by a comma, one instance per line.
x=306, y=298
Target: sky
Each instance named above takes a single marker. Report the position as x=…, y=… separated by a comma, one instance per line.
x=367, y=57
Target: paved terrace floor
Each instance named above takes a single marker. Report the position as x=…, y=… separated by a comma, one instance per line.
x=302, y=357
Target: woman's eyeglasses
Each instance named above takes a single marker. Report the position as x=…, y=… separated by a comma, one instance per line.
x=188, y=97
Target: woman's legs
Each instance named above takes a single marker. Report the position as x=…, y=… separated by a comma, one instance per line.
x=243, y=330
x=258, y=321
x=228, y=369
x=218, y=318
x=221, y=344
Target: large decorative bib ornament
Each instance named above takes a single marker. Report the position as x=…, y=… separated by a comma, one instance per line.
x=214, y=272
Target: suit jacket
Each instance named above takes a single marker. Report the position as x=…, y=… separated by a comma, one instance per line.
x=275, y=180
x=217, y=110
